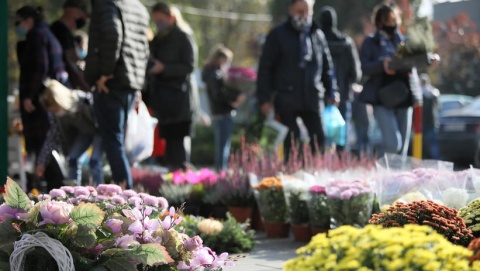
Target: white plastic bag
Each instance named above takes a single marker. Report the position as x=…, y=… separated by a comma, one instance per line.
x=140, y=134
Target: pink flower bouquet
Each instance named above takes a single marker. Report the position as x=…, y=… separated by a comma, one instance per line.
x=350, y=203
x=241, y=79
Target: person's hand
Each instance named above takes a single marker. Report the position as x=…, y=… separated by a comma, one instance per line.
x=28, y=105
x=205, y=120
x=386, y=67
x=266, y=108
x=158, y=67
x=40, y=171
x=101, y=83
x=333, y=101
x=239, y=101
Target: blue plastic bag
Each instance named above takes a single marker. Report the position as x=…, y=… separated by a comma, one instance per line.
x=334, y=126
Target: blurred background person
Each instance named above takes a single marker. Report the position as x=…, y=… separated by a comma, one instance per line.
x=295, y=74
x=222, y=101
x=376, y=53
x=345, y=59
x=40, y=57
x=116, y=66
x=430, y=118
x=74, y=131
x=75, y=14
x=171, y=95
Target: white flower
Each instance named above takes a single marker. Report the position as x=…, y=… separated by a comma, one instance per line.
x=455, y=198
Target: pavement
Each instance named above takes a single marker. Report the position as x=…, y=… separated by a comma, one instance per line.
x=268, y=254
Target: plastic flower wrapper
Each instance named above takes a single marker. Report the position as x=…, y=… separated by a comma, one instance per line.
x=271, y=200
x=296, y=195
x=350, y=203
x=318, y=210
x=373, y=248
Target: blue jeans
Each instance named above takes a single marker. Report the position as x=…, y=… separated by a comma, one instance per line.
x=223, y=126
x=431, y=144
x=396, y=127
x=111, y=111
x=80, y=145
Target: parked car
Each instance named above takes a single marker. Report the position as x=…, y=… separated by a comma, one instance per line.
x=459, y=134
x=449, y=102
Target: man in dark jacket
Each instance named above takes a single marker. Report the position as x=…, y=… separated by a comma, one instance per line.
x=116, y=65
x=345, y=58
x=295, y=73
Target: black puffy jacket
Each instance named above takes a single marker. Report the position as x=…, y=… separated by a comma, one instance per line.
x=118, y=43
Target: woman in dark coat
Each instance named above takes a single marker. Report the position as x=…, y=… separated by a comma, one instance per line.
x=173, y=57
x=222, y=102
x=393, y=116
x=40, y=57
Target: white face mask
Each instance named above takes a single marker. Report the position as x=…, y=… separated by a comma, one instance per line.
x=301, y=23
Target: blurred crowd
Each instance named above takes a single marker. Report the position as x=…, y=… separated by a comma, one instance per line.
x=77, y=89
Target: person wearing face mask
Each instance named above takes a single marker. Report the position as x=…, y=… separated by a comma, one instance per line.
x=345, y=59
x=222, y=102
x=393, y=117
x=171, y=81
x=75, y=14
x=40, y=57
x=295, y=74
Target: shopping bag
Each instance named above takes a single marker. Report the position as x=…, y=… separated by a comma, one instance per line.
x=140, y=134
x=334, y=126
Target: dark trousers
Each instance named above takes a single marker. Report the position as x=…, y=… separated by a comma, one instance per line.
x=312, y=122
x=111, y=111
x=175, y=154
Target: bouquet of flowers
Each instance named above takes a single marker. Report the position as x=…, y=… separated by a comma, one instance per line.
x=271, y=200
x=103, y=228
x=442, y=219
x=318, y=210
x=241, y=79
x=374, y=248
x=296, y=195
x=350, y=203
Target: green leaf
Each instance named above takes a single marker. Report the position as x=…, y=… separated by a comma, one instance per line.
x=87, y=213
x=153, y=254
x=118, y=264
x=33, y=213
x=15, y=197
x=85, y=236
x=8, y=235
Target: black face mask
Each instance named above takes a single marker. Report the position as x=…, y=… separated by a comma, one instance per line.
x=80, y=22
x=390, y=30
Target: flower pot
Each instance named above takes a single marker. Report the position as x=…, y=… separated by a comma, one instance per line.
x=301, y=233
x=315, y=230
x=241, y=214
x=277, y=229
x=257, y=222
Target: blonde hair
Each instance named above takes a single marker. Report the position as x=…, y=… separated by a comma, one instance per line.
x=171, y=10
x=57, y=95
x=218, y=52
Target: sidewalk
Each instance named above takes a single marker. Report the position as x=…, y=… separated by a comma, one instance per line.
x=268, y=255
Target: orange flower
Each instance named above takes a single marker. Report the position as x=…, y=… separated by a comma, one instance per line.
x=270, y=182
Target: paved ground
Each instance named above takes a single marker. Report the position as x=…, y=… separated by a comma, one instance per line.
x=268, y=255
